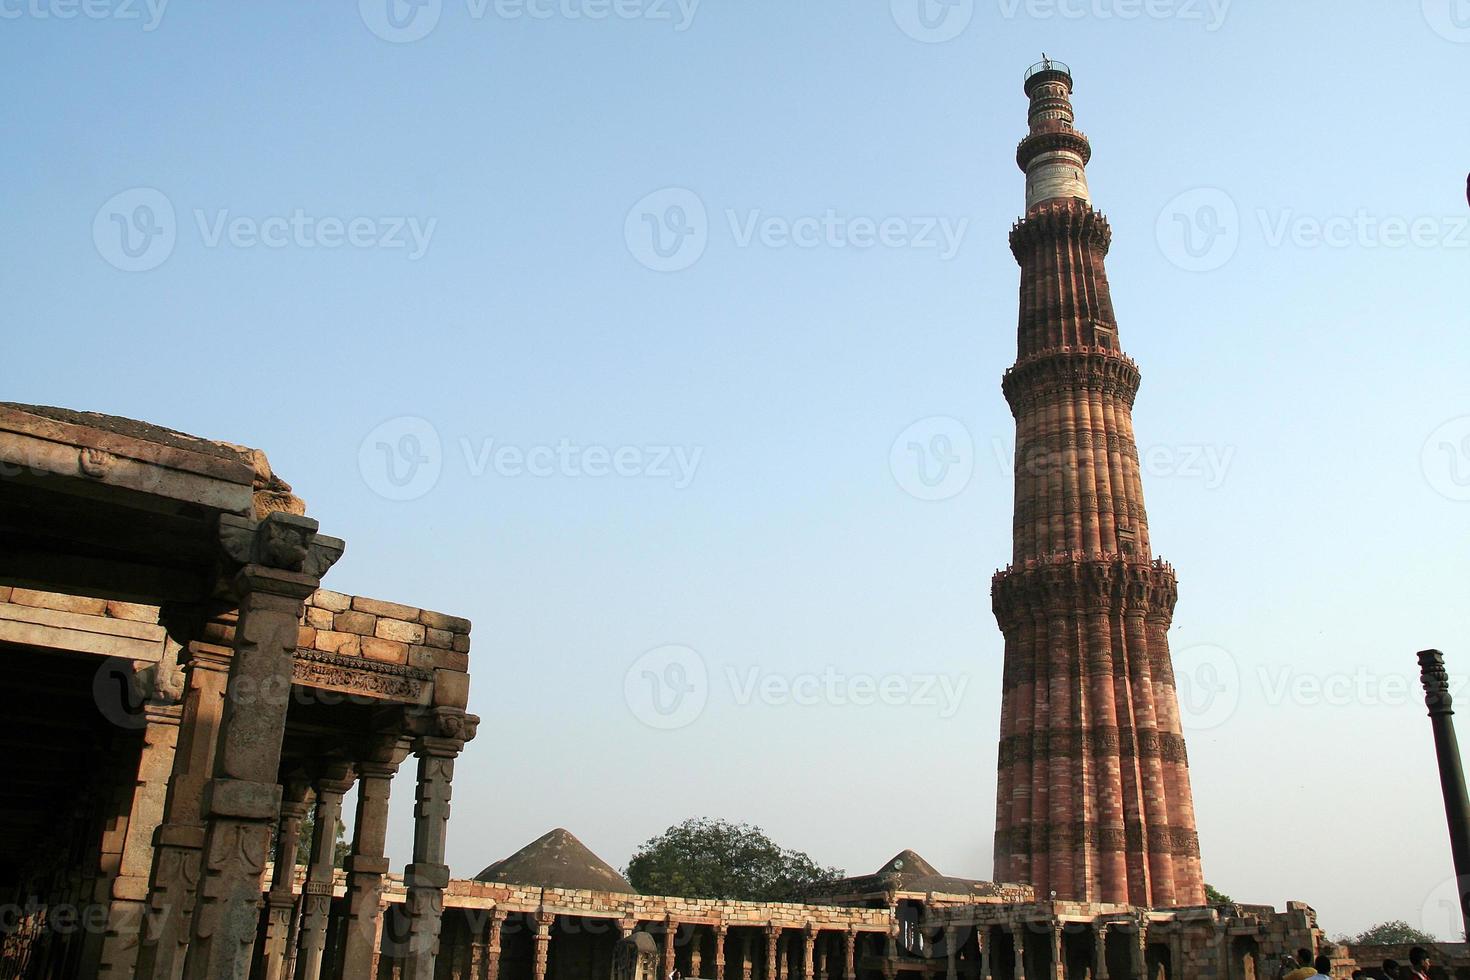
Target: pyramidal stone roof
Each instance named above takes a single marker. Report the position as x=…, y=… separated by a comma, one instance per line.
x=557, y=860
x=908, y=863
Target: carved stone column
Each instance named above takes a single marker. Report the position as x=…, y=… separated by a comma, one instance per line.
x=808, y=953
x=282, y=560
x=823, y=962
x=492, y=945
x=1019, y=934
x=696, y=955
x=849, y=954
x=982, y=939
x=721, y=931
x=179, y=839
x=1058, y=963
x=330, y=786
x=544, y=921
x=1100, y=952
x=280, y=901
x=950, y=968
x=376, y=766
x=890, y=952
x=671, y=932
x=441, y=735
x=129, y=888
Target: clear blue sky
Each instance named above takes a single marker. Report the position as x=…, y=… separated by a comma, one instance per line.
x=1328, y=545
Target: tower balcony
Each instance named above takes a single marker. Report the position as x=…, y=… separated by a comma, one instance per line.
x=1047, y=70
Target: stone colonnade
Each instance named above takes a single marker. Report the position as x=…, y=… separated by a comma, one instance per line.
x=188, y=899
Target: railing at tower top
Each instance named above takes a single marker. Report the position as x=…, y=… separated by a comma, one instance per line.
x=1047, y=64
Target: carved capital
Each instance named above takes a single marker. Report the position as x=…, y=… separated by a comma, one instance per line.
x=282, y=542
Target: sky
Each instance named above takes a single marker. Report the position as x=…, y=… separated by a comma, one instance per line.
x=664, y=342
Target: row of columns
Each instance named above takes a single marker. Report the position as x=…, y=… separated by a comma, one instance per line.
x=203, y=915
x=485, y=950
x=1100, y=968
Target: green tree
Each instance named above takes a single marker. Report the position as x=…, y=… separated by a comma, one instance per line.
x=340, y=848
x=1215, y=896
x=705, y=858
x=1394, y=933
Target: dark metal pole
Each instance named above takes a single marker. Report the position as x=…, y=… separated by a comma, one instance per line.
x=1451, y=774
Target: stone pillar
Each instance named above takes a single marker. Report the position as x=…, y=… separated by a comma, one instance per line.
x=179, y=839
x=1100, y=952
x=1018, y=934
x=1058, y=963
x=376, y=766
x=721, y=931
x=745, y=964
x=890, y=952
x=982, y=939
x=1139, y=949
x=626, y=927
x=442, y=734
x=773, y=939
x=696, y=956
x=129, y=888
x=950, y=967
x=823, y=963
x=671, y=932
x=280, y=901
x=849, y=954
x=809, y=948
x=282, y=560
x=783, y=958
x=492, y=945
x=543, y=944
x=334, y=781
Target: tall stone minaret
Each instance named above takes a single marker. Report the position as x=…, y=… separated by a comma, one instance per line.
x=1093, y=800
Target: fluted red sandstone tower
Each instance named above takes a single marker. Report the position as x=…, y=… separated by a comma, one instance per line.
x=1093, y=800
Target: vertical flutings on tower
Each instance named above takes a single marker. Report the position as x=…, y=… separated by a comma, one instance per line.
x=1094, y=799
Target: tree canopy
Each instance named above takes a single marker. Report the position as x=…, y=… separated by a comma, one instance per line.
x=1392, y=933
x=1215, y=896
x=707, y=858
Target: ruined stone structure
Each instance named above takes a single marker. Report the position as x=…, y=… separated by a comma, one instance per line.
x=181, y=691
x=1093, y=799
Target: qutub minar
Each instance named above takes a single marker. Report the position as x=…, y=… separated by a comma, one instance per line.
x=1093, y=800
